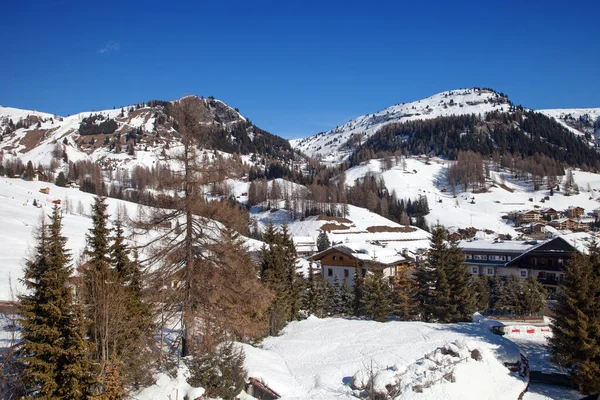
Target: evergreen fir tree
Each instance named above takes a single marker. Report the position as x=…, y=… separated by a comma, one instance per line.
x=480, y=287
x=97, y=276
x=575, y=343
x=346, y=299
x=278, y=271
x=61, y=180
x=53, y=351
x=404, y=304
x=323, y=242
x=441, y=306
x=338, y=304
x=510, y=293
x=377, y=296
x=458, y=278
x=315, y=296
x=358, y=302
x=29, y=171
x=425, y=286
x=534, y=295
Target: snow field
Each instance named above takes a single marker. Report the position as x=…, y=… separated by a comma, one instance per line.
x=318, y=358
x=488, y=208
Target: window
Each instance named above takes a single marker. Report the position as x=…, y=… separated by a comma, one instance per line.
x=561, y=262
x=509, y=258
x=542, y=261
x=329, y=272
x=523, y=274
x=490, y=271
x=346, y=273
x=498, y=258
x=469, y=256
x=334, y=258
x=480, y=257
x=341, y=258
x=475, y=270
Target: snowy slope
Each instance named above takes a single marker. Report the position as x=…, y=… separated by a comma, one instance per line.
x=428, y=178
x=354, y=228
x=19, y=219
x=317, y=358
x=45, y=132
x=331, y=145
x=578, y=120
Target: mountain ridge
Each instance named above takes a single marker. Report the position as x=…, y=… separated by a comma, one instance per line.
x=337, y=144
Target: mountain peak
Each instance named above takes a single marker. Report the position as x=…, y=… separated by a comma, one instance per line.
x=336, y=143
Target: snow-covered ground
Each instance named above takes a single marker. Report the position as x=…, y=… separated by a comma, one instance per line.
x=481, y=210
x=534, y=347
x=318, y=358
x=19, y=219
x=566, y=116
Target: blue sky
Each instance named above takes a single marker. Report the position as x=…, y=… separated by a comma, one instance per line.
x=296, y=68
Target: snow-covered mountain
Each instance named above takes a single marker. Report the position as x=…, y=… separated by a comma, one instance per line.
x=134, y=135
x=337, y=143
x=581, y=121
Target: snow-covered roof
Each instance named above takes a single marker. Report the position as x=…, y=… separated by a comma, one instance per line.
x=366, y=252
x=303, y=240
x=507, y=246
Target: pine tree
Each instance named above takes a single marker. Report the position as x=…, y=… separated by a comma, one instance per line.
x=510, y=293
x=480, y=287
x=61, y=180
x=534, y=295
x=569, y=185
x=441, y=306
x=458, y=278
x=323, y=242
x=53, y=351
x=278, y=271
x=29, y=171
x=575, y=343
x=97, y=279
x=358, y=302
x=425, y=286
x=404, y=305
x=377, y=296
x=137, y=319
x=346, y=299
x=337, y=296
x=313, y=303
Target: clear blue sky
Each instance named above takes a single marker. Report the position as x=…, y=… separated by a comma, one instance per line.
x=296, y=68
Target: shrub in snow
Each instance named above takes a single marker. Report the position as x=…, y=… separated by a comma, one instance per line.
x=370, y=383
x=220, y=372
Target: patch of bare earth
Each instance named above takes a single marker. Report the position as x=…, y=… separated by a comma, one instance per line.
x=33, y=138
x=334, y=219
x=334, y=227
x=402, y=229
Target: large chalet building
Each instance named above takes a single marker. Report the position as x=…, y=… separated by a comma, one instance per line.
x=340, y=261
x=545, y=261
